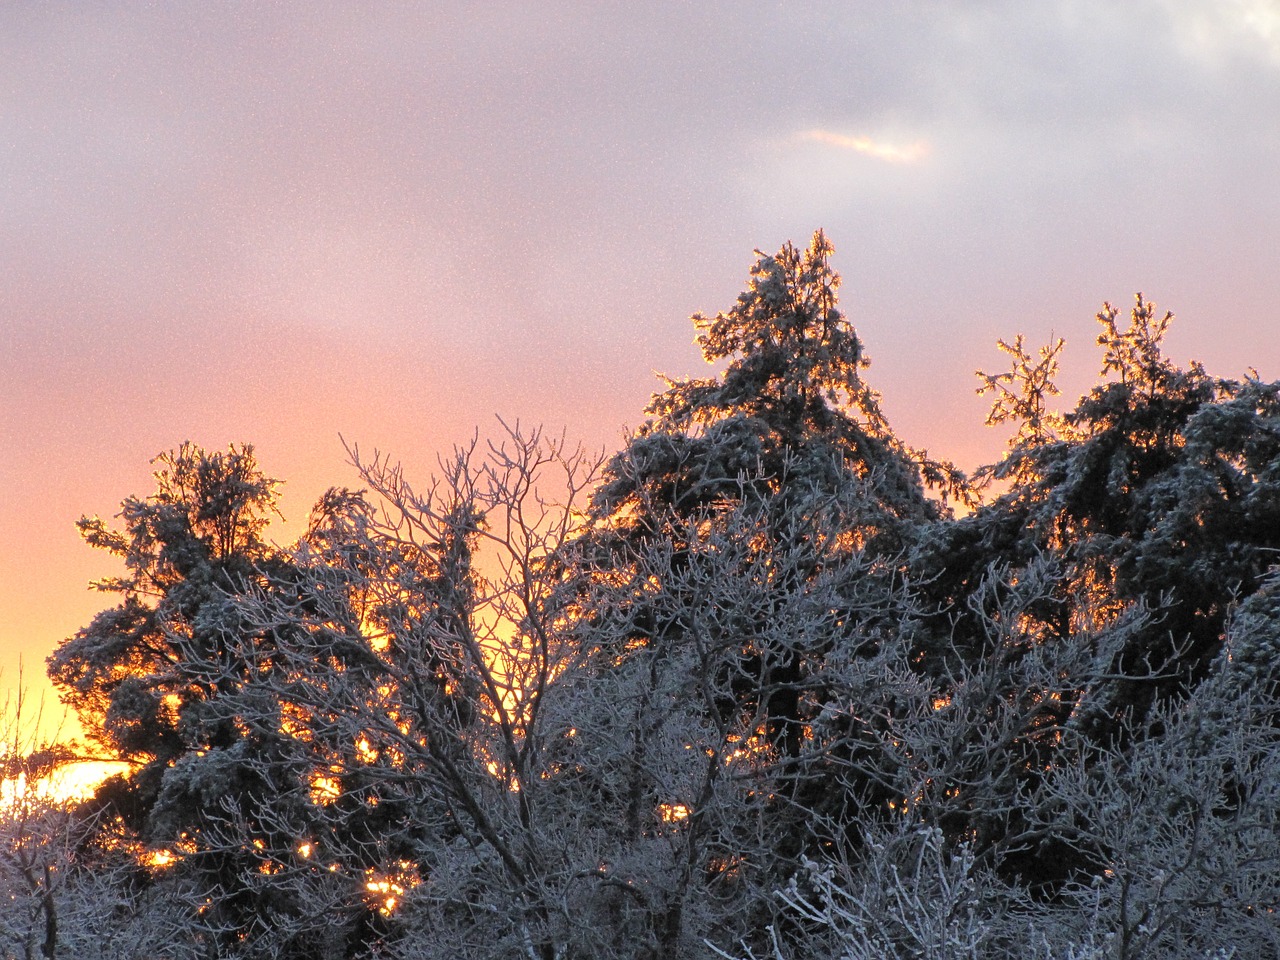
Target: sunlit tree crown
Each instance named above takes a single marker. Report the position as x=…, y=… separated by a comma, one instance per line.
x=791, y=410
x=794, y=359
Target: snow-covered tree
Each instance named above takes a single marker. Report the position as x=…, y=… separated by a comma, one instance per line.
x=136, y=675
x=157, y=680
x=69, y=880
x=747, y=687
x=749, y=541
x=1159, y=488
x=411, y=651
x=1155, y=502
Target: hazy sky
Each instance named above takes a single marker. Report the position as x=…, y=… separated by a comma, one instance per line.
x=284, y=222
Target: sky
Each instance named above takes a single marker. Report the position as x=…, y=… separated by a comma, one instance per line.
x=290, y=224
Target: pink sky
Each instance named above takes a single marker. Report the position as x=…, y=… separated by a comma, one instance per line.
x=283, y=223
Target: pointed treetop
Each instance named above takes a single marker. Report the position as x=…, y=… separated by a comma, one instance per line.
x=794, y=359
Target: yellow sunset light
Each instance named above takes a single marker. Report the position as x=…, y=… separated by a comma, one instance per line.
x=325, y=790
x=673, y=812
x=160, y=859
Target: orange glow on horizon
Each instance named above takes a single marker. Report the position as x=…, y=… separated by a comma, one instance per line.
x=70, y=782
x=79, y=781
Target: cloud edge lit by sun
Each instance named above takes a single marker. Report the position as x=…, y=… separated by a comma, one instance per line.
x=909, y=153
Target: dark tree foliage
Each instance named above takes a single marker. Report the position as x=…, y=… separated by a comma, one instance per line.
x=1155, y=495
x=164, y=680
x=135, y=676
x=1158, y=491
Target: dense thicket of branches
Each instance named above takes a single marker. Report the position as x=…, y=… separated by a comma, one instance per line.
x=747, y=688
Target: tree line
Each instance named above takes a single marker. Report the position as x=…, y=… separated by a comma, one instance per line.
x=766, y=683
